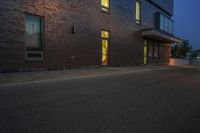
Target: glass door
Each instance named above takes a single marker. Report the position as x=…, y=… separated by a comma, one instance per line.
x=145, y=53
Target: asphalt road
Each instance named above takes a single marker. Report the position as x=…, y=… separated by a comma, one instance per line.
x=159, y=101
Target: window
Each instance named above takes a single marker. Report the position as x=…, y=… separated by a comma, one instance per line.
x=105, y=6
x=145, y=52
x=34, y=37
x=151, y=50
x=162, y=23
x=156, y=50
x=138, y=12
x=170, y=27
x=165, y=23
x=105, y=35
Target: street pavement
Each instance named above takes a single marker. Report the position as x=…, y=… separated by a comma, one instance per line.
x=38, y=76
x=153, y=101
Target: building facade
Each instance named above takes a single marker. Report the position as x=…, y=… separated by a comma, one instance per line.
x=55, y=34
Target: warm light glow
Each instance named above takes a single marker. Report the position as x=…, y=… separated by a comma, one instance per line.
x=104, y=47
x=105, y=43
x=105, y=5
x=104, y=60
x=145, y=52
x=105, y=34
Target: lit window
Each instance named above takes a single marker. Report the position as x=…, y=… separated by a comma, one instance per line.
x=105, y=5
x=105, y=35
x=138, y=12
x=145, y=52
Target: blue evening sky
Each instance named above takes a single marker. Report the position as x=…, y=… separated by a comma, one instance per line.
x=187, y=21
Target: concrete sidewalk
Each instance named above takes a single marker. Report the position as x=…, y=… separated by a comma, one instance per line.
x=24, y=77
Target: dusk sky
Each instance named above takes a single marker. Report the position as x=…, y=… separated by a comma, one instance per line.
x=187, y=21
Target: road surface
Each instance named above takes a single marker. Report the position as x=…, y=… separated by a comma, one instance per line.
x=157, y=101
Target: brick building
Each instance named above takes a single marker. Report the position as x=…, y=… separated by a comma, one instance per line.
x=56, y=34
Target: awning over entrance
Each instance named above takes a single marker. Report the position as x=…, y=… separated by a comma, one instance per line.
x=160, y=36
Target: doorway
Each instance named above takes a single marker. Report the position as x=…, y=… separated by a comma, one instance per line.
x=145, y=52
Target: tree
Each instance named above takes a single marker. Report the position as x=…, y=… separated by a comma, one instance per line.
x=195, y=54
x=174, y=50
x=184, y=48
x=180, y=51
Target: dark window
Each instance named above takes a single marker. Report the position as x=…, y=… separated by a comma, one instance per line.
x=34, y=36
x=165, y=23
x=156, y=50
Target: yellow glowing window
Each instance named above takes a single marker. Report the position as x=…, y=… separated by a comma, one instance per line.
x=105, y=5
x=104, y=47
x=105, y=35
x=145, y=52
x=104, y=60
x=138, y=12
x=145, y=55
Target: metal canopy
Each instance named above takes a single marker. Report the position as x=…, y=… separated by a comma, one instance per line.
x=160, y=36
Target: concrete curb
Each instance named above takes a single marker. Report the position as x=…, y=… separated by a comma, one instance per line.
x=36, y=77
